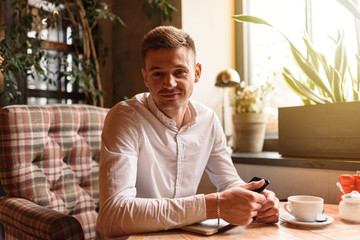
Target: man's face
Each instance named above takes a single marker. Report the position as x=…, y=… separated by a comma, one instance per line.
x=170, y=75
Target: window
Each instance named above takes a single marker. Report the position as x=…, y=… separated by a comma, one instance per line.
x=55, y=85
x=57, y=45
x=265, y=52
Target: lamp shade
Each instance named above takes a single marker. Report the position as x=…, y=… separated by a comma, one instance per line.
x=227, y=78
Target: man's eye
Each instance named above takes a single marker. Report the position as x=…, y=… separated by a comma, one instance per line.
x=180, y=73
x=157, y=74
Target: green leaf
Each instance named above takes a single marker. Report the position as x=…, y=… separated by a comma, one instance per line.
x=314, y=56
x=339, y=54
x=256, y=20
x=340, y=58
x=301, y=89
x=120, y=21
x=250, y=19
x=349, y=5
x=327, y=69
x=337, y=87
x=165, y=10
x=290, y=80
x=310, y=71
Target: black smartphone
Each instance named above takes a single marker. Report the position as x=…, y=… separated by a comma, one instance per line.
x=259, y=190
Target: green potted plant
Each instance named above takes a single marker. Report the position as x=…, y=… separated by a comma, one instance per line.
x=249, y=119
x=329, y=126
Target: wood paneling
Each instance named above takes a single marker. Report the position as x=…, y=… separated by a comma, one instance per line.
x=122, y=72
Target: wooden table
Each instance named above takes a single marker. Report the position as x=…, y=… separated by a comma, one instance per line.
x=339, y=229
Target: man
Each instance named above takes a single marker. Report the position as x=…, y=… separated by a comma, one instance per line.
x=156, y=146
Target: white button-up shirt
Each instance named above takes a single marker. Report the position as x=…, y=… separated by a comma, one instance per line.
x=150, y=170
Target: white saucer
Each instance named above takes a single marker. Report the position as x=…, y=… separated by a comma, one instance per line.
x=286, y=217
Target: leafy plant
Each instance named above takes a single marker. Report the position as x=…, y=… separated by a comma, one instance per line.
x=26, y=56
x=318, y=88
x=248, y=99
x=158, y=6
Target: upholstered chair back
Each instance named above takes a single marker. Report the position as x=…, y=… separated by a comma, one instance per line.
x=49, y=155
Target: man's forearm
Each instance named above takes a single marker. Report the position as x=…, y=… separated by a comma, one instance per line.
x=133, y=215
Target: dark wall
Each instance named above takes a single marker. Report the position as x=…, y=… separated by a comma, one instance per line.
x=122, y=74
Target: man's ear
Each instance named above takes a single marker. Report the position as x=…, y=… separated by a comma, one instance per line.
x=143, y=71
x=197, y=72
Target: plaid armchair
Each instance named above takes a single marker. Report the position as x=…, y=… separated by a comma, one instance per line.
x=49, y=170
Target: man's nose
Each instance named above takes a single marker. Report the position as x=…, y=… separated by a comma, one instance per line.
x=169, y=81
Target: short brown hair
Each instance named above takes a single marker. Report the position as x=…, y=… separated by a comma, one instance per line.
x=166, y=37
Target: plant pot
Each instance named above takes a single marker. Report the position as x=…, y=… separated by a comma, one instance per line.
x=249, y=132
x=324, y=130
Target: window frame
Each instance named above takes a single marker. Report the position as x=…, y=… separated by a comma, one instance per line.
x=243, y=60
x=51, y=96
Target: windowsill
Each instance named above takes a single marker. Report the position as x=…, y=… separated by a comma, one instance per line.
x=275, y=159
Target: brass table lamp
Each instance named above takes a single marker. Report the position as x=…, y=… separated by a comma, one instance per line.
x=226, y=79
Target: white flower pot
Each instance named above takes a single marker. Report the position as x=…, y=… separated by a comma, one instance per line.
x=249, y=132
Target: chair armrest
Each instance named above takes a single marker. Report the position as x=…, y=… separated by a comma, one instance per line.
x=27, y=220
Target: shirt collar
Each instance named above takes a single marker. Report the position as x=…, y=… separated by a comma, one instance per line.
x=190, y=116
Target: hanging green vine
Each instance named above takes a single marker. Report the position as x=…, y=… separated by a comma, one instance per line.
x=24, y=55
x=158, y=6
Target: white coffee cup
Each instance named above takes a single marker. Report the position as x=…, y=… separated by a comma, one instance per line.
x=305, y=208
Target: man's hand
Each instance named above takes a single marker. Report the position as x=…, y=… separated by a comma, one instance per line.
x=269, y=213
x=239, y=205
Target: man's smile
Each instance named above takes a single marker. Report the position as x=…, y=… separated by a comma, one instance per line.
x=170, y=94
